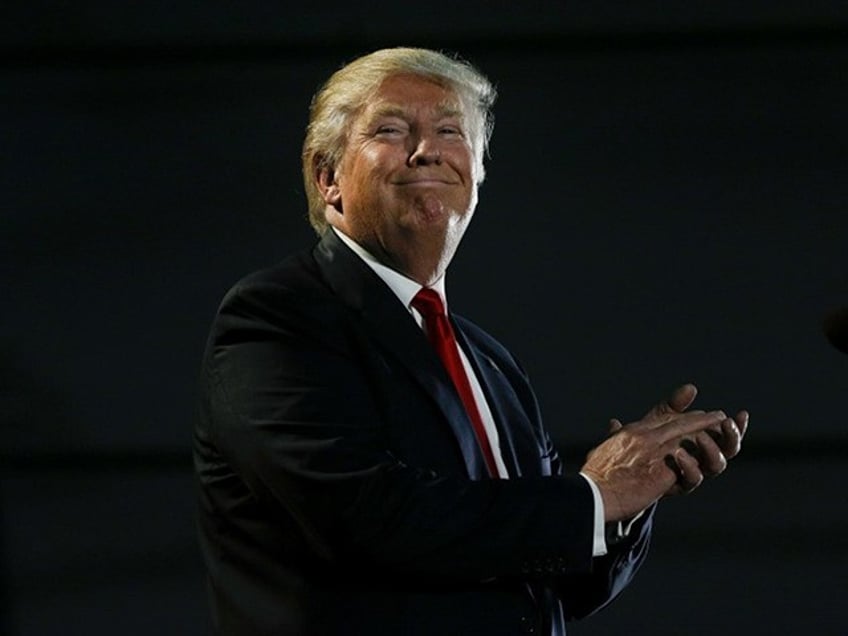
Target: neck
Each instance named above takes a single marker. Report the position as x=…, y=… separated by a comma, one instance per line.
x=421, y=265
x=423, y=259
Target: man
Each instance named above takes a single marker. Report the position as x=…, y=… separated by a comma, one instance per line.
x=368, y=465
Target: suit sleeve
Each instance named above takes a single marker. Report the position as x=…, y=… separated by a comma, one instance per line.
x=291, y=411
x=584, y=593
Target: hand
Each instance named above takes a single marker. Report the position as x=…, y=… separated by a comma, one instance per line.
x=647, y=459
x=706, y=454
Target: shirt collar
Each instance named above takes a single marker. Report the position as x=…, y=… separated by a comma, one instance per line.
x=403, y=287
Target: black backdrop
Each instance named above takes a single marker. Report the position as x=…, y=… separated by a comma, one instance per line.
x=665, y=202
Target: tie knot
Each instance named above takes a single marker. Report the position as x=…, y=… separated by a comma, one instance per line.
x=428, y=303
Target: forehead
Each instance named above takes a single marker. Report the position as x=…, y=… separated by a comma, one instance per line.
x=407, y=94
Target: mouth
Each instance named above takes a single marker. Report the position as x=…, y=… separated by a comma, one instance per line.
x=424, y=182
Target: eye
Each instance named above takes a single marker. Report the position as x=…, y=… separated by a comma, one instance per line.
x=392, y=128
x=450, y=131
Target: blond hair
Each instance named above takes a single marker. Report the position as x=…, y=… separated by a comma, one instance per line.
x=343, y=96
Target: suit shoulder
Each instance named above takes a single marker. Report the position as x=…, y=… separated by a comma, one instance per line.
x=296, y=277
x=291, y=292
x=296, y=273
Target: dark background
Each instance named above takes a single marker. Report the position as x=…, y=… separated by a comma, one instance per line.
x=665, y=202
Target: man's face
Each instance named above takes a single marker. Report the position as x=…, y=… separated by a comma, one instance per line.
x=405, y=187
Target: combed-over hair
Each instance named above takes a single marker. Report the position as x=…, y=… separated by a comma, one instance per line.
x=347, y=91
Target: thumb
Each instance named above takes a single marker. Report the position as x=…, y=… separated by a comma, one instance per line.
x=682, y=397
x=680, y=400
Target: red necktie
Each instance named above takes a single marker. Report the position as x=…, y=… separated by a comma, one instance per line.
x=440, y=334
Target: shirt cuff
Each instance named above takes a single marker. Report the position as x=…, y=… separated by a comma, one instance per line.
x=621, y=530
x=599, y=541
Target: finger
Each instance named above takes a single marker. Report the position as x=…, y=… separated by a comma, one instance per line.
x=709, y=454
x=689, y=474
x=730, y=439
x=741, y=419
x=651, y=422
x=687, y=425
x=680, y=400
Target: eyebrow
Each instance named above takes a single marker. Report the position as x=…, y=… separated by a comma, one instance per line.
x=443, y=110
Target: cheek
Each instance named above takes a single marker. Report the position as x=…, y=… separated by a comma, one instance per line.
x=465, y=163
x=374, y=158
x=358, y=165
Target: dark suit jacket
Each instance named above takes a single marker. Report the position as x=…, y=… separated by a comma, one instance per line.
x=341, y=488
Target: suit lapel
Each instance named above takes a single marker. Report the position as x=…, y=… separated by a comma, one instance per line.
x=490, y=376
x=520, y=449
x=389, y=323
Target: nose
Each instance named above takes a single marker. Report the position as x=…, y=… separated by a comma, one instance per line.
x=426, y=151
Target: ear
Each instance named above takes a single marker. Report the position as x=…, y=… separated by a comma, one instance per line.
x=325, y=179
